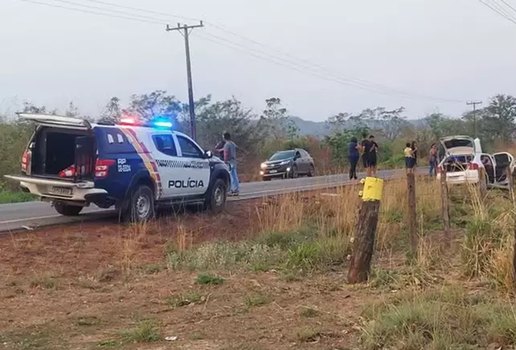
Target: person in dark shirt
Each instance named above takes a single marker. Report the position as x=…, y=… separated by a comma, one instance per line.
x=364, y=144
x=372, y=157
x=353, y=157
x=414, y=151
x=369, y=155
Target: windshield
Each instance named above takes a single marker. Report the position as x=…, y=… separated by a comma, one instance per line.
x=282, y=155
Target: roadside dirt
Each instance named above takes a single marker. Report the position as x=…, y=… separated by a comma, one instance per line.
x=82, y=286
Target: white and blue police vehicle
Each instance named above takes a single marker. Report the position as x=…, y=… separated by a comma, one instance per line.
x=133, y=166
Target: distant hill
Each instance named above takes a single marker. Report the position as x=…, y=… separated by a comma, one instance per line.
x=320, y=129
x=307, y=127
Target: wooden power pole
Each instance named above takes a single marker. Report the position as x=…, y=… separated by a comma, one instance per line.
x=474, y=104
x=365, y=232
x=185, y=31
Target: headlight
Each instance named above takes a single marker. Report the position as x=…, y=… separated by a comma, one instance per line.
x=285, y=162
x=263, y=166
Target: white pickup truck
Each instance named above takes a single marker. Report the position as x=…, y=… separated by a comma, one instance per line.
x=463, y=161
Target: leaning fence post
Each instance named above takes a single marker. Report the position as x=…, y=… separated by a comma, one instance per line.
x=510, y=184
x=445, y=207
x=412, y=213
x=363, y=243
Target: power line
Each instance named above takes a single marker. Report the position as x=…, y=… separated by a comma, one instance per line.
x=505, y=7
x=109, y=11
x=89, y=12
x=314, y=68
x=498, y=11
x=509, y=5
x=316, y=72
x=296, y=60
x=168, y=15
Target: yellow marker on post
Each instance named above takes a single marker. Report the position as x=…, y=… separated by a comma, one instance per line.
x=373, y=188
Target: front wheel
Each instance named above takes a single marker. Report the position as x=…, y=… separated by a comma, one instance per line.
x=140, y=206
x=295, y=172
x=216, y=199
x=67, y=210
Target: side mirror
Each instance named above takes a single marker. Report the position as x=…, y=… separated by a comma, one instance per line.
x=208, y=154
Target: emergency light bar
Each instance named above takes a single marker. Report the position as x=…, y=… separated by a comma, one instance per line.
x=158, y=122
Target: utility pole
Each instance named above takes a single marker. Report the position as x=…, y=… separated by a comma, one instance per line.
x=185, y=32
x=474, y=104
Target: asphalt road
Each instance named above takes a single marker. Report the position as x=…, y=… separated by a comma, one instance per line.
x=31, y=215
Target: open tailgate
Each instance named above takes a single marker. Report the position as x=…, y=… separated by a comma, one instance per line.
x=56, y=120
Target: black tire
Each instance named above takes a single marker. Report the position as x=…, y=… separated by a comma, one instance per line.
x=295, y=172
x=266, y=178
x=311, y=173
x=216, y=198
x=67, y=210
x=140, y=206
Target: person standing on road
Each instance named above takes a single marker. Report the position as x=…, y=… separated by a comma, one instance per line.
x=372, y=157
x=409, y=158
x=230, y=159
x=433, y=160
x=414, y=152
x=353, y=157
x=364, y=149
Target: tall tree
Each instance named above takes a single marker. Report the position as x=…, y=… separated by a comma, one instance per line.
x=213, y=119
x=156, y=103
x=275, y=118
x=499, y=117
x=112, y=111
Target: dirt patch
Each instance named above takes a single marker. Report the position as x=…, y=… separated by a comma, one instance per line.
x=104, y=285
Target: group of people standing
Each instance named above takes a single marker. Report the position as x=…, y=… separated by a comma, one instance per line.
x=368, y=150
x=411, y=153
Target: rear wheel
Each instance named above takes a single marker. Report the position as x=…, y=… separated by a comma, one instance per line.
x=266, y=178
x=216, y=199
x=311, y=173
x=140, y=206
x=67, y=210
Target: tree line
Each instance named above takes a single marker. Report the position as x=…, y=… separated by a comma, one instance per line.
x=258, y=135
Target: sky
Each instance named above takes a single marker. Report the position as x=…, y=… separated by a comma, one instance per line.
x=426, y=55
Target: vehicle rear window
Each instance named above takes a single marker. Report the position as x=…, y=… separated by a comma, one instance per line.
x=458, y=143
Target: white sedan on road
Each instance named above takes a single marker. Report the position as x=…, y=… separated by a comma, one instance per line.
x=464, y=163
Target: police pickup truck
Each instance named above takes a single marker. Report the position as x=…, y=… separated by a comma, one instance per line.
x=131, y=165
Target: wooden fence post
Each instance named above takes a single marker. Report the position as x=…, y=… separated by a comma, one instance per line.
x=510, y=182
x=412, y=213
x=363, y=244
x=445, y=207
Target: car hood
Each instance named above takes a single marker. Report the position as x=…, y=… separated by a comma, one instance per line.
x=273, y=162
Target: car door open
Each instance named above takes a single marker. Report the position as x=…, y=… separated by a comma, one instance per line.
x=503, y=161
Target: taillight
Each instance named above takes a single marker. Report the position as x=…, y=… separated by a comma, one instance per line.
x=472, y=166
x=25, y=161
x=102, y=167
